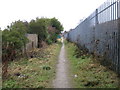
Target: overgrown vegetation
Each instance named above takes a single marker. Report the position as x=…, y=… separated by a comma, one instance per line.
x=88, y=72
x=47, y=29
x=14, y=37
x=36, y=72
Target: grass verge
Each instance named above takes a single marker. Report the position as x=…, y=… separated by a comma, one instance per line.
x=37, y=72
x=87, y=72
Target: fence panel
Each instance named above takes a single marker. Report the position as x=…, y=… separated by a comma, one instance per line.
x=100, y=33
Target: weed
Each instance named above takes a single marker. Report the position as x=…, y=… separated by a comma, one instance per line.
x=36, y=72
x=90, y=73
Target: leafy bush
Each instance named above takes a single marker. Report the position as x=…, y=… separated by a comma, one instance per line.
x=41, y=27
x=49, y=41
x=13, y=39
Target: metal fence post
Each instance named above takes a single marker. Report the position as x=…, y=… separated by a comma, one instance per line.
x=96, y=17
x=119, y=37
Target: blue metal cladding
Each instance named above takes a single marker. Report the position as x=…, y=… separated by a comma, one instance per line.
x=100, y=33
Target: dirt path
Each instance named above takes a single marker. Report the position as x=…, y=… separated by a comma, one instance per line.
x=62, y=79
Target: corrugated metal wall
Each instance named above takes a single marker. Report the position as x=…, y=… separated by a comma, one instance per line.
x=100, y=33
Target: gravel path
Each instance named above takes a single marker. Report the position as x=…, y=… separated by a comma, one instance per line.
x=62, y=79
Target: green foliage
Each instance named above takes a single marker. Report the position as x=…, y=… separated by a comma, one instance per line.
x=55, y=23
x=58, y=28
x=13, y=38
x=49, y=41
x=41, y=26
x=53, y=37
x=19, y=26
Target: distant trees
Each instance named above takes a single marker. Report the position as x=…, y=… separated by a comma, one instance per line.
x=57, y=29
x=39, y=26
x=47, y=29
x=55, y=23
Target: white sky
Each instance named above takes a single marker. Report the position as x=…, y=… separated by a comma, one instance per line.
x=68, y=12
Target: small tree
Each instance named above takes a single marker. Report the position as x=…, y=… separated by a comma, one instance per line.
x=13, y=39
x=58, y=28
x=55, y=23
x=39, y=26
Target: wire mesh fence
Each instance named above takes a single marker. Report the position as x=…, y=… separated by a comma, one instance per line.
x=100, y=33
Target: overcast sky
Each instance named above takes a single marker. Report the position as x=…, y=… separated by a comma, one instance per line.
x=68, y=12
